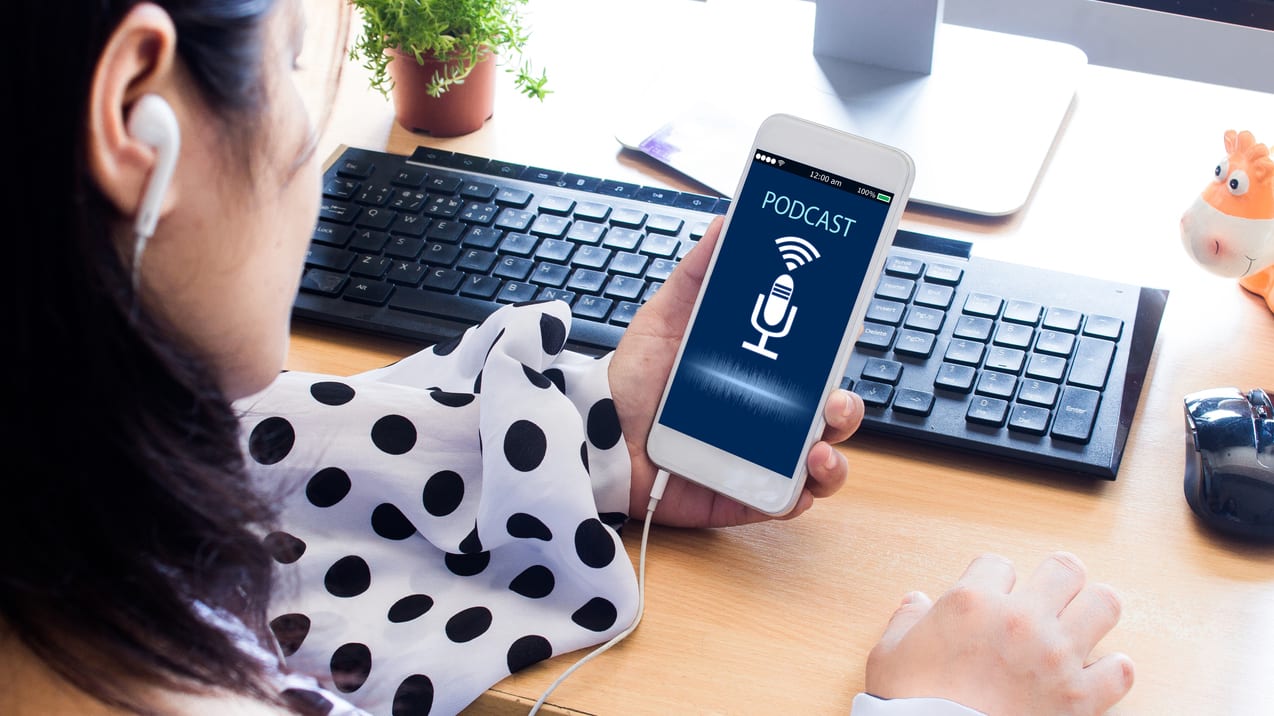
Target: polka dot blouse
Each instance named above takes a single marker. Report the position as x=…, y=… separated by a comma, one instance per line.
x=446, y=520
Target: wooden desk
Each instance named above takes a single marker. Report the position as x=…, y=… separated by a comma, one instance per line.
x=779, y=618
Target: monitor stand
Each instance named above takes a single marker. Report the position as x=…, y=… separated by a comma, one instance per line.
x=979, y=126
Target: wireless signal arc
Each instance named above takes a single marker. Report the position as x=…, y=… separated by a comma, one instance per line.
x=795, y=251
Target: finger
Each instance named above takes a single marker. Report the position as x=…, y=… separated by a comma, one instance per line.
x=828, y=470
x=1091, y=615
x=843, y=414
x=990, y=572
x=1110, y=678
x=915, y=605
x=1054, y=583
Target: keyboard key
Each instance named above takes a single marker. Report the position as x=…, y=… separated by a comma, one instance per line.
x=1014, y=335
x=542, y=176
x=586, y=232
x=997, y=384
x=586, y=281
x=1103, y=327
x=404, y=247
x=624, y=288
x=624, y=313
x=885, y=371
x=697, y=202
x=326, y=283
x=373, y=195
x=1092, y=362
x=408, y=273
x=443, y=279
x=623, y=239
x=443, y=183
x=550, y=274
x=1023, y=312
x=954, y=377
x=944, y=274
x=561, y=205
x=339, y=188
x=876, y=336
x=409, y=201
x=882, y=311
x=904, y=266
x=1053, y=342
x=963, y=351
x=913, y=402
x=1075, y=414
x=628, y=263
x=651, y=289
x=660, y=269
x=592, y=211
x=515, y=198
x=1009, y=360
x=549, y=225
x=660, y=245
x=369, y=241
x=326, y=257
x=1046, y=367
x=982, y=304
x=440, y=254
x=479, y=190
x=409, y=176
x=1062, y=319
x=1038, y=392
x=1028, y=419
x=482, y=237
x=331, y=234
x=370, y=266
x=480, y=286
x=518, y=244
x=442, y=305
x=513, y=267
x=373, y=292
x=873, y=393
x=593, y=307
x=555, y=294
x=511, y=219
x=594, y=257
x=476, y=260
x=987, y=411
x=916, y=344
x=338, y=212
x=443, y=207
x=898, y=289
x=516, y=292
x=508, y=170
x=974, y=328
x=446, y=231
x=555, y=250
x=475, y=213
x=580, y=182
x=618, y=188
x=935, y=295
x=409, y=224
x=664, y=224
x=654, y=195
x=925, y=319
x=376, y=218
x=356, y=168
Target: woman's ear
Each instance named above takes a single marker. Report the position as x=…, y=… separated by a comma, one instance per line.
x=139, y=58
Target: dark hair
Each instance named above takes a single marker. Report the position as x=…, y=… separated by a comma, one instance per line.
x=125, y=505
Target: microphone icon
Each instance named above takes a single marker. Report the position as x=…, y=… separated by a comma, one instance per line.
x=771, y=310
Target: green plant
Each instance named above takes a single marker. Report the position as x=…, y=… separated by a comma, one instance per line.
x=462, y=29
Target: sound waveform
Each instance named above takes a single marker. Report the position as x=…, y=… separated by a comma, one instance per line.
x=756, y=391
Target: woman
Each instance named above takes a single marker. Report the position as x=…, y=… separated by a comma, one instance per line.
x=136, y=578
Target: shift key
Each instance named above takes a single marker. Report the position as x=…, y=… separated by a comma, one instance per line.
x=1091, y=364
x=1075, y=414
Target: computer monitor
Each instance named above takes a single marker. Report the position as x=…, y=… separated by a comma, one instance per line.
x=1249, y=13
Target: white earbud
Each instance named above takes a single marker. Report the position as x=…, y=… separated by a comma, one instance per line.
x=152, y=121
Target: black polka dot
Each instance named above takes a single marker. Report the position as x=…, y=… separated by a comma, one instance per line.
x=351, y=664
x=534, y=582
x=414, y=697
x=446, y=347
x=603, y=424
x=306, y=702
x=583, y=455
x=539, y=380
x=477, y=383
x=468, y=624
x=596, y=615
x=327, y=487
x=451, y=400
x=528, y=650
x=285, y=548
x=410, y=607
x=471, y=544
x=290, y=631
x=331, y=392
x=614, y=520
x=467, y=565
x=532, y=302
x=528, y=527
x=389, y=522
x=524, y=445
x=594, y=544
x=557, y=377
x=443, y=493
x=552, y=334
x=394, y=434
x=271, y=440
x=348, y=577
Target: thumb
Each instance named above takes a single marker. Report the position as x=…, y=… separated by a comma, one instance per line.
x=683, y=284
x=914, y=606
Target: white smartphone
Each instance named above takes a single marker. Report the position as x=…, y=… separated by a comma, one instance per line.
x=775, y=320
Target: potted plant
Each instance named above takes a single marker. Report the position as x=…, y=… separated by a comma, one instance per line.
x=438, y=59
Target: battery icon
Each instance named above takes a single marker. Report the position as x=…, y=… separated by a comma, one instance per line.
x=883, y=197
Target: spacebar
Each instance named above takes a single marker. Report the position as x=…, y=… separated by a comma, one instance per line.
x=442, y=305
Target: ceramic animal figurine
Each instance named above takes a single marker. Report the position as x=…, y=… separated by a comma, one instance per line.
x=1229, y=230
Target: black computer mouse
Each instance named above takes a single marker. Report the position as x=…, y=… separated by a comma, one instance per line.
x=1229, y=478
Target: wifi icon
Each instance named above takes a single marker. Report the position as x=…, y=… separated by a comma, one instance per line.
x=795, y=251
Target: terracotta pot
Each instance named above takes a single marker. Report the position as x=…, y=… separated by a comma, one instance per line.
x=461, y=109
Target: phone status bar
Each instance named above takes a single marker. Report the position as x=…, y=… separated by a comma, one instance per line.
x=835, y=181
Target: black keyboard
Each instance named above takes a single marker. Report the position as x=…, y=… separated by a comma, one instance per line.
x=1011, y=360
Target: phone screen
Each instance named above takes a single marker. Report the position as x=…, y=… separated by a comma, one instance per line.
x=769, y=326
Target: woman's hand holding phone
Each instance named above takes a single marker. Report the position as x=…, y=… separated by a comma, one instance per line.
x=640, y=368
